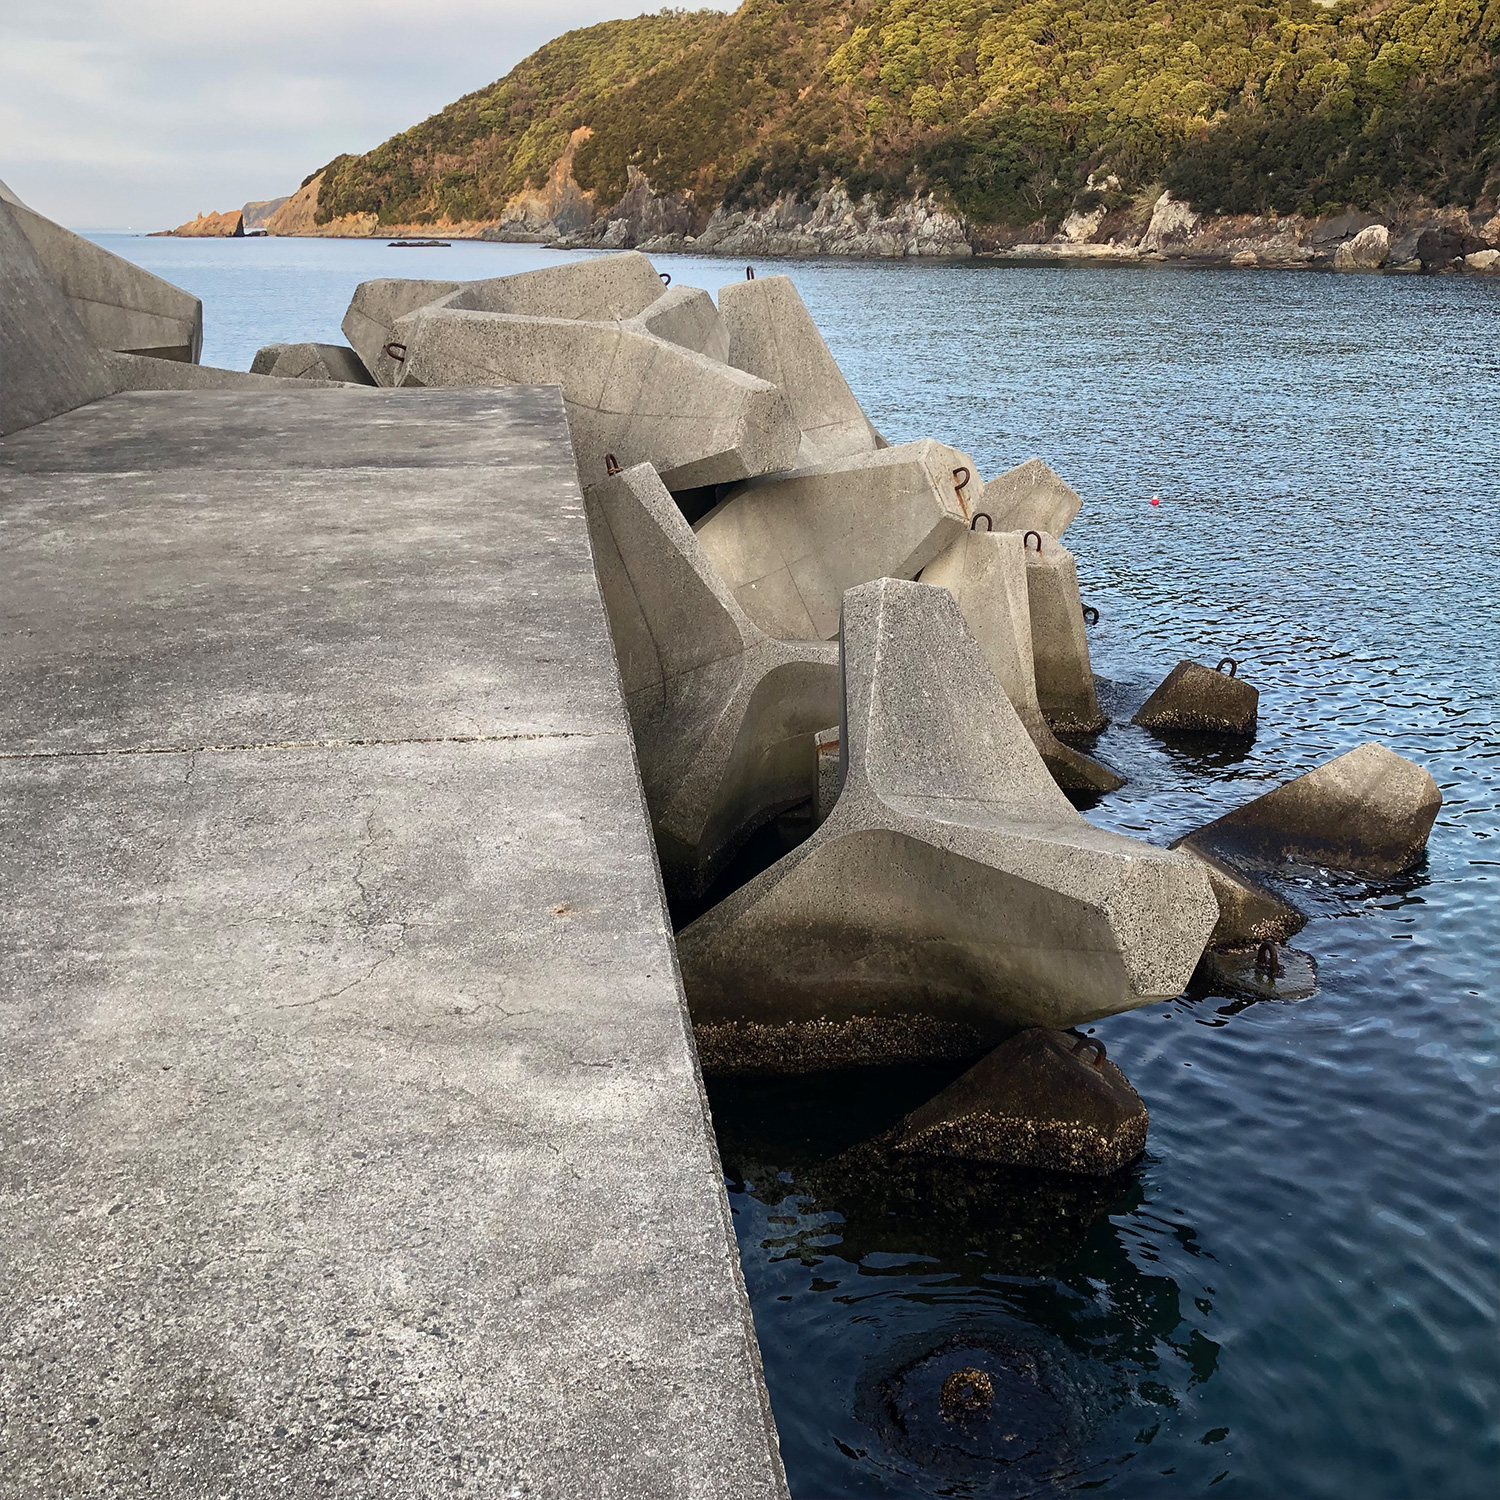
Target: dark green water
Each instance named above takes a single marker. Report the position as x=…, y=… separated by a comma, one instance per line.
x=1294, y=1295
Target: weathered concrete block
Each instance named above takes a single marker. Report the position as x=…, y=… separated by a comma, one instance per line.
x=986, y=574
x=791, y=544
x=629, y=394
x=48, y=363
x=1044, y=1099
x=1261, y=971
x=141, y=372
x=1030, y=497
x=120, y=306
x=311, y=362
x=603, y=288
x=1248, y=912
x=953, y=895
x=1059, y=643
x=827, y=746
x=686, y=315
x=1195, y=700
x=724, y=717
x=1369, y=811
x=772, y=335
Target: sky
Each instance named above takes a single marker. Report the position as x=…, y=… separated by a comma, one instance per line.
x=138, y=114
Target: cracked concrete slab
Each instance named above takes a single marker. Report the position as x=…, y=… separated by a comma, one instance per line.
x=350, y=1116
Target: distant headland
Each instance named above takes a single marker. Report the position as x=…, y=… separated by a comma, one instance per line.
x=1299, y=133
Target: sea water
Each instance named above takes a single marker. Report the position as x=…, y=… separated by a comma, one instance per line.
x=1294, y=1294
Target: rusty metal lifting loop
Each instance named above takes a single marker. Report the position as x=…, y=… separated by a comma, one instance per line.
x=666, y=277
x=960, y=484
x=611, y=464
x=749, y=273
x=1090, y=615
x=391, y=352
x=1266, y=961
x=1229, y=662
x=986, y=517
x=1026, y=541
x=1095, y=1043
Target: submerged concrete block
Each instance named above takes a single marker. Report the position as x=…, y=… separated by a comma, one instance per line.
x=1261, y=971
x=48, y=363
x=790, y=545
x=724, y=717
x=629, y=394
x=986, y=574
x=311, y=362
x=1030, y=497
x=772, y=335
x=953, y=895
x=604, y=288
x=1044, y=1099
x=1195, y=700
x=1369, y=811
x=1059, y=642
x=1248, y=912
x=120, y=306
x=686, y=315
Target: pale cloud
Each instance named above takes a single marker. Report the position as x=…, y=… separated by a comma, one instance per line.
x=140, y=113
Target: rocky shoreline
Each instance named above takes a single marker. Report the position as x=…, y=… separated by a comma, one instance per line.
x=1149, y=228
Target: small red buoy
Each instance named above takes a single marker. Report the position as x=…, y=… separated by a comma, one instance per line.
x=1156, y=499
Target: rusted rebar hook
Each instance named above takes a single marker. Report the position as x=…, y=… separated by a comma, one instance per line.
x=1095, y=1043
x=749, y=273
x=666, y=277
x=1266, y=961
x=1090, y=615
x=1229, y=662
x=390, y=352
x=959, y=486
x=611, y=464
x=1026, y=541
x=986, y=517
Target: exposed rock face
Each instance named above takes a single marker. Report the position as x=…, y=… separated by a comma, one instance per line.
x=1171, y=224
x=257, y=215
x=837, y=224
x=1367, y=251
x=1044, y=1099
x=223, y=226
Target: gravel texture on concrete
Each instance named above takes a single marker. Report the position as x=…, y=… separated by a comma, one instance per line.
x=352, y=1135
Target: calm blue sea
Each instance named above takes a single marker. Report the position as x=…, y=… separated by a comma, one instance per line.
x=1295, y=1294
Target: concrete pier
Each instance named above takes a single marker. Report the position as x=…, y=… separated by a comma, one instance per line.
x=351, y=1140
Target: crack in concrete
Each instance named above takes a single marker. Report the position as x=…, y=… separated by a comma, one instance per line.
x=335, y=744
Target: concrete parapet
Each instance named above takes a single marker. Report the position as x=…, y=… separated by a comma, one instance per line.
x=724, y=717
x=120, y=306
x=1369, y=811
x=1059, y=642
x=953, y=895
x=48, y=363
x=772, y=335
x=629, y=395
x=986, y=574
x=1192, y=699
x=789, y=545
x=1030, y=497
x=1045, y=1099
x=311, y=362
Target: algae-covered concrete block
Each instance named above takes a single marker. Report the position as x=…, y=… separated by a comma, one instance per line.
x=1369, y=811
x=986, y=574
x=121, y=307
x=629, y=394
x=1030, y=497
x=791, y=544
x=1192, y=699
x=48, y=363
x=311, y=362
x=1059, y=642
x=1248, y=912
x=953, y=895
x=772, y=335
x=1044, y=1099
x=724, y=717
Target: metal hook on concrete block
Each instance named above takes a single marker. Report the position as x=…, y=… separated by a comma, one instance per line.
x=749, y=273
x=666, y=277
x=391, y=352
x=1266, y=961
x=1229, y=662
x=1026, y=541
x=986, y=517
x=1095, y=1043
x=1090, y=615
x=611, y=464
x=960, y=484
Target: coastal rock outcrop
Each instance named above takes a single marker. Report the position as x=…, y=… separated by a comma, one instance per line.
x=223, y=226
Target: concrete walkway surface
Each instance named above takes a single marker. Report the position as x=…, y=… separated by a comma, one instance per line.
x=351, y=1138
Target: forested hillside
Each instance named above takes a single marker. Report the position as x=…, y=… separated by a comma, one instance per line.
x=1005, y=108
